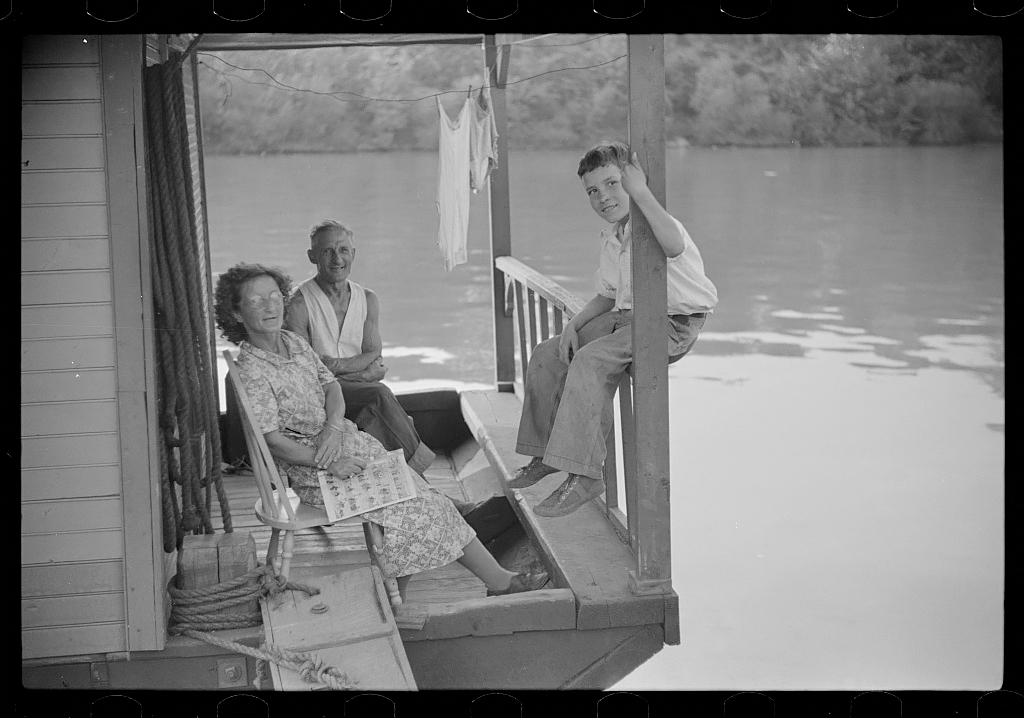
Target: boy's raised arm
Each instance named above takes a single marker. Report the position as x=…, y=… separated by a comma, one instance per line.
x=665, y=229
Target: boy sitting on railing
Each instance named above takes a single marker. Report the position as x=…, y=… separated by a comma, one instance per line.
x=571, y=381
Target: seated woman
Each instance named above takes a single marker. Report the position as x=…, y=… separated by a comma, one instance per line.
x=300, y=410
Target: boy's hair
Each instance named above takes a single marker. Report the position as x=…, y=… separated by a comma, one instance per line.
x=329, y=224
x=604, y=153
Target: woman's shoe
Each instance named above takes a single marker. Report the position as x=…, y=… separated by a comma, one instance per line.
x=523, y=582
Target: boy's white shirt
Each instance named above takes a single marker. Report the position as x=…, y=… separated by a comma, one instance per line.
x=689, y=289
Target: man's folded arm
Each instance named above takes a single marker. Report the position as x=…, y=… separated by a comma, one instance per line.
x=296, y=319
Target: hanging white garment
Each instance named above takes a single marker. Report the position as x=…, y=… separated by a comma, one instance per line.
x=453, y=185
x=326, y=337
x=483, y=141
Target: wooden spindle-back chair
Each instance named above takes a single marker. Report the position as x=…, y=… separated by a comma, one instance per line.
x=278, y=505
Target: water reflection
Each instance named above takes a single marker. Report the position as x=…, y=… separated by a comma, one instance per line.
x=836, y=462
x=899, y=247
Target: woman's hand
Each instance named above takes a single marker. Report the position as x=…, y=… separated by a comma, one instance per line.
x=328, y=446
x=347, y=466
x=568, y=344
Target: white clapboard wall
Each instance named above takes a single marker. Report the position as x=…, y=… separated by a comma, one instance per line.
x=82, y=375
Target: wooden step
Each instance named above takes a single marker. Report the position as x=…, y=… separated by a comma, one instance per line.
x=583, y=552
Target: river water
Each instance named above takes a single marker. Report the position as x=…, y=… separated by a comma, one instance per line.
x=838, y=432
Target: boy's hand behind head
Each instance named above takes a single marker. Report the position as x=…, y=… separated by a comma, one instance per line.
x=634, y=180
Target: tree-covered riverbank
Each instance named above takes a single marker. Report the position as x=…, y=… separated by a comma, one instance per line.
x=750, y=90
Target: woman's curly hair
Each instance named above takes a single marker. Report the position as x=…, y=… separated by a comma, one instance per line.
x=227, y=296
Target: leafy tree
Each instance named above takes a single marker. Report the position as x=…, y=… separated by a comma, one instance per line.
x=720, y=89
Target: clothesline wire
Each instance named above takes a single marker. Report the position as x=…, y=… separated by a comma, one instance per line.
x=520, y=43
x=364, y=98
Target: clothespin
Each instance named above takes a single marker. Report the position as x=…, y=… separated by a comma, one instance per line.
x=469, y=92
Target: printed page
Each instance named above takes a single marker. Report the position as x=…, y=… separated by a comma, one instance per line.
x=383, y=482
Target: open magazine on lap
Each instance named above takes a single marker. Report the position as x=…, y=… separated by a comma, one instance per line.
x=384, y=481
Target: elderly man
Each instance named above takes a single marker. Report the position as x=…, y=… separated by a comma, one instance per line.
x=339, y=320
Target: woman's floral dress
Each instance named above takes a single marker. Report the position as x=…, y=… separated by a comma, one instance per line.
x=288, y=396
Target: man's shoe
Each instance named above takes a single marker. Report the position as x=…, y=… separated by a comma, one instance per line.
x=531, y=473
x=573, y=493
x=523, y=582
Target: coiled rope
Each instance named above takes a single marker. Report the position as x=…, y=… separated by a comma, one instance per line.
x=191, y=453
x=193, y=613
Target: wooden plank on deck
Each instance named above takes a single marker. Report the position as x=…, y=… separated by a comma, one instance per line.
x=543, y=610
x=356, y=633
x=582, y=549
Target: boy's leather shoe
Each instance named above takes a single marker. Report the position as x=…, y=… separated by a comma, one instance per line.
x=573, y=493
x=530, y=474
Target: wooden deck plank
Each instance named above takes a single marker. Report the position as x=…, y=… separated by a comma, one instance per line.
x=544, y=610
x=355, y=632
x=351, y=613
x=582, y=550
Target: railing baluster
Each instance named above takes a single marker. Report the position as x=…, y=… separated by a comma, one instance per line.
x=629, y=455
x=524, y=355
x=543, y=318
x=530, y=302
x=611, y=474
x=510, y=297
x=524, y=284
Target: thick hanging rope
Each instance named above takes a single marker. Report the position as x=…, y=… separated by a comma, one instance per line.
x=194, y=611
x=189, y=417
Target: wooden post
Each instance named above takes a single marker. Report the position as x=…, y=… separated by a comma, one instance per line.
x=501, y=217
x=646, y=55
x=121, y=62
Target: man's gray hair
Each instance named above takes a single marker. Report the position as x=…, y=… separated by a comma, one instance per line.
x=330, y=224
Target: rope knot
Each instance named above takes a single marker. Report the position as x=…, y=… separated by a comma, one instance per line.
x=313, y=669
